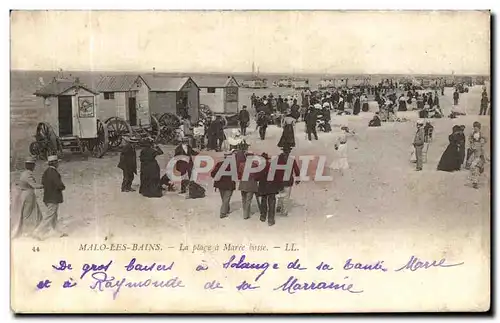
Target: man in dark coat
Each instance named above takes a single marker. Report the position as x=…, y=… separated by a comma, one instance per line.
x=128, y=163
x=262, y=121
x=215, y=134
x=224, y=184
x=284, y=195
x=456, y=96
x=183, y=167
x=244, y=118
x=285, y=106
x=295, y=110
x=52, y=197
x=150, y=171
x=267, y=190
x=311, y=119
x=484, y=104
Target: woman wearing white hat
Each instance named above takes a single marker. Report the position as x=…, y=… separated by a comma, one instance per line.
x=25, y=214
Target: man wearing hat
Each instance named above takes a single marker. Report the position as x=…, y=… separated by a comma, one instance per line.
x=284, y=194
x=267, y=190
x=225, y=184
x=128, y=163
x=183, y=167
x=418, y=143
x=52, y=196
x=244, y=118
x=311, y=120
x=26, y=214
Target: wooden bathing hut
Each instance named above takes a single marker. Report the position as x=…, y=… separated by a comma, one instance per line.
x=300, y=83
x=70, y=108
x=175, y=95
x=125, y=97
x=220, y=95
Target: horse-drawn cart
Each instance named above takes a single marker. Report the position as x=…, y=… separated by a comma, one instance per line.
x=71, y=121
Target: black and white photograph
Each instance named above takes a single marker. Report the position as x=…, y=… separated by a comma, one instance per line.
x=258, y=162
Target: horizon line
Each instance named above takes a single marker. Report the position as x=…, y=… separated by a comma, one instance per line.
x=246, y=72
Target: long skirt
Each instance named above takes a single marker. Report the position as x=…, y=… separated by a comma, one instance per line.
x=365, y=107
x=25, y=213
x=287, y=137
x=150, y=179
x=450, y=160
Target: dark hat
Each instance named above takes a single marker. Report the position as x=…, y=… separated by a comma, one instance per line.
x=131, y=138
x=244, y=106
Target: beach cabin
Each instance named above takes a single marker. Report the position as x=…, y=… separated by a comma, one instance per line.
x=173, y=95
x=70, y=107
x=326, y=84
x=255, y=83
x=220, y=95
x=358, y=81
x=342, y=82
x=126, y=97
x=300, y=84
x=286, y=82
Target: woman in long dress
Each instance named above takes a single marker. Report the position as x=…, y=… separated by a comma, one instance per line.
x=450, y=160
x=402, y=103
x=357, y=106
x=25, y=213
x=476, y=159
x=288, y=136
x=364, y=103
x=150, y=172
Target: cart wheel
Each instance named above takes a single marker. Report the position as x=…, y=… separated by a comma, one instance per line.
x=35, y=150
x=47, y=141
x=100, y=143
x=116, y=128
x=155, y=129
x=168, y=123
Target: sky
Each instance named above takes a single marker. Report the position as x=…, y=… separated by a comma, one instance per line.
x=329, y=42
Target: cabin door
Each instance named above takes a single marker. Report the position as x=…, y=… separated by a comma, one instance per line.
x=65, y=103
x=182, y=103
x=132, y=111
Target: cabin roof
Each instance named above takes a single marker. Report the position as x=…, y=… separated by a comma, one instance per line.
x=159, y=83
x=59, y=86
x=119, y=83
x=210, y=81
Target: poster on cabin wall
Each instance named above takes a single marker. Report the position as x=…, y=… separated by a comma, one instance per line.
x=232, y=94
x=86, y=107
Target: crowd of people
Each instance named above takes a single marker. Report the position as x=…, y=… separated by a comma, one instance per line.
x=272, y=194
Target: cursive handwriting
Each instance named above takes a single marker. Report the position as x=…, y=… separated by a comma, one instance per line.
x=414, y=264
x=69, y=283
x=214, y=284
x=241, y=264
x=378, y=266
x=138, y=267
x=43, y=284
x=295, y=265
x=292, y=285
x=102, y=282
x=202, y=266
x=62, y=266
x=244, y=286
x=88, y=267
x=323, y=266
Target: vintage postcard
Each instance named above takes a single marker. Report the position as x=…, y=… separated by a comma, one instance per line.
x=250, y=161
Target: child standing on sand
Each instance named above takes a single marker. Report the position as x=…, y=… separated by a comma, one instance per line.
x=340, y=163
